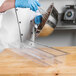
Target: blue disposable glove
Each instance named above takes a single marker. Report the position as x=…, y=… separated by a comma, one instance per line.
x=38, y=19
x=32, y=4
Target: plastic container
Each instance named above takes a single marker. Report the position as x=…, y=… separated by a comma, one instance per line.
x=38, y=52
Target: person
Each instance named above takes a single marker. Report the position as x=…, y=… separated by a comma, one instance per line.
x=9, y=31
x=8, y=4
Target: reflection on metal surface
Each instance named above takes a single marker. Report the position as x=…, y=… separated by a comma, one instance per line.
x=50, y=17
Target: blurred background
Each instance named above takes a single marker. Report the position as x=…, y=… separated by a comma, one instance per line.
x=64, y=35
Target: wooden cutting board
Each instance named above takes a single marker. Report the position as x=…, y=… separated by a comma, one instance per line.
x=12, y=64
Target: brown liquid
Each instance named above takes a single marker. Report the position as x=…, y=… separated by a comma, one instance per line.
x=46, y=31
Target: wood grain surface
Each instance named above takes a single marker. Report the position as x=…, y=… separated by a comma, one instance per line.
x=12, y=64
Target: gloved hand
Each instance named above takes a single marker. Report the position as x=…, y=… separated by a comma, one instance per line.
x=38, y=19
x=32, y=4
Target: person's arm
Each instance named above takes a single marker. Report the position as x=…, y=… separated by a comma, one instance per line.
x=8, y=4
x=32, y=4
